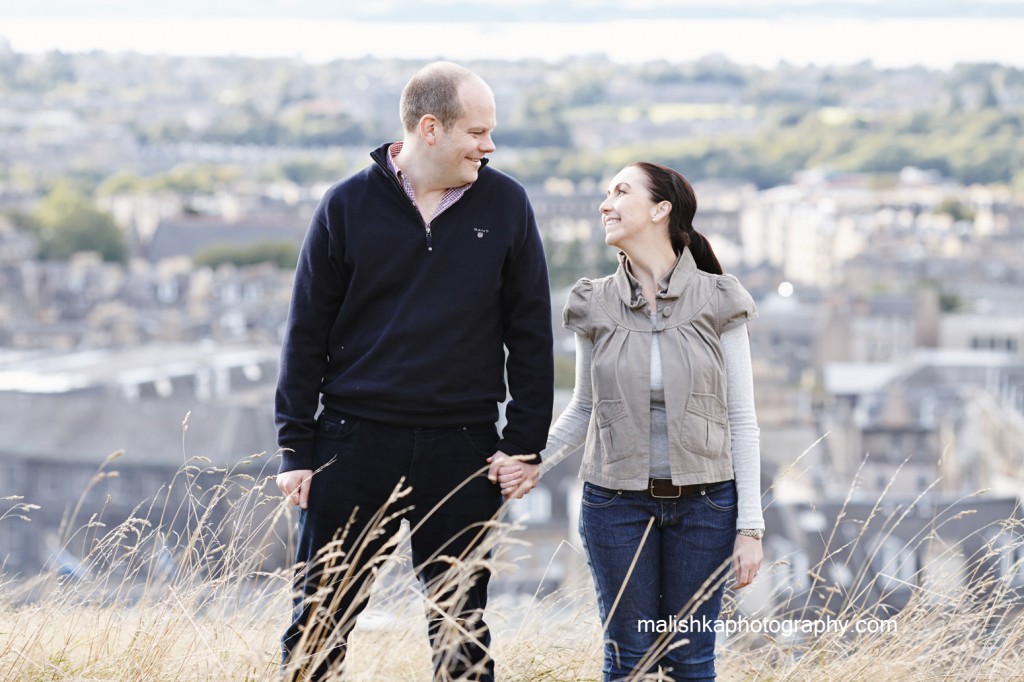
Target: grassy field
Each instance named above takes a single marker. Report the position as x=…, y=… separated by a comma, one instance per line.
x=151, y=603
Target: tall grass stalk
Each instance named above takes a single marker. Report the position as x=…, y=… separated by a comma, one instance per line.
x=192, y=586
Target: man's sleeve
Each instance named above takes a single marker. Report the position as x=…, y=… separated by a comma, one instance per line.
x=316, y=297
x=526, y=319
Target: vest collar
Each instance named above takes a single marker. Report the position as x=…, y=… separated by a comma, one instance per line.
x=670, y=287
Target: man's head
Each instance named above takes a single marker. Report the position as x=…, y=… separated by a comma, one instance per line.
x=448, y=114
x=434, y=90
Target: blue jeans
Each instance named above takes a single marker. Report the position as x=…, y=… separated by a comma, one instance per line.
x=365, y=461
x=690, y=541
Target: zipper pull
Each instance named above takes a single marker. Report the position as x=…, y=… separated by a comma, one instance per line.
x=430, y=240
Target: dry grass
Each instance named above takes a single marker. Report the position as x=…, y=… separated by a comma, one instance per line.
x=182, y=592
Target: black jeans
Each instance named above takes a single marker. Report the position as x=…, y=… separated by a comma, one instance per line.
x=349, y=527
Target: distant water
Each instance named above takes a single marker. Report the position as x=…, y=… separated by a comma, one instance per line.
x=936, y=43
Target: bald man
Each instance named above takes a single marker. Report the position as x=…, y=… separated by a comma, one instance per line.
x=421, y=285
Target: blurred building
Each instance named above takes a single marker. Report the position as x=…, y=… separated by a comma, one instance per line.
x=183, y=416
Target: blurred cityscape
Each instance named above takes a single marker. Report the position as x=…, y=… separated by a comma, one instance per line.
x=151, y=209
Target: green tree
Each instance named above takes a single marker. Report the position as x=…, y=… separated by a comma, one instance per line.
x=122, y=182
x=308, y=171
x=950, y=302
x=539, y=123
x=955, y=209
x=282, y=254
x=69, y=222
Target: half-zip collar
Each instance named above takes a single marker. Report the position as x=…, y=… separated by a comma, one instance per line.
x=383, y=161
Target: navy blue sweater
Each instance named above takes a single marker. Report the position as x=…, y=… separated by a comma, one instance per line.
x=390, y=331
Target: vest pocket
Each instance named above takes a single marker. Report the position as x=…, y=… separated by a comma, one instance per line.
x=614, y=431
x=705, y=424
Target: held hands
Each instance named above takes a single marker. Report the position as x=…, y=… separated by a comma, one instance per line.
x=513, y=473
x=516, y=476
x=746, y=560
x=295, y=486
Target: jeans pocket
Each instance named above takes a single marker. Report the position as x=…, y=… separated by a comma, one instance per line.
x=721, y=496
x=596, y=497
x=335, y=426
x=482, y=440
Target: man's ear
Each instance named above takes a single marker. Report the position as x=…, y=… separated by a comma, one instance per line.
x=428, y=128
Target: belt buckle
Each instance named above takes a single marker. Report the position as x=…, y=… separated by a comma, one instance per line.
x=650, y=489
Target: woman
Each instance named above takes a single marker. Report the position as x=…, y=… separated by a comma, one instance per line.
x=664, y=404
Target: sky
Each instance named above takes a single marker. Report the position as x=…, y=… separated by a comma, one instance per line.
x=897, y=33
x=525, y=10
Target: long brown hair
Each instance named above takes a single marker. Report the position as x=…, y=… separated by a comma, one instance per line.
x=666, y=184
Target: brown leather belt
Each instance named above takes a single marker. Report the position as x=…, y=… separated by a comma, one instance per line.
x=664, y=489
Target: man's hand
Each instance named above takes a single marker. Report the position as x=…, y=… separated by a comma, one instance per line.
x=746, y=560
x=295, y=486
x=513, y=473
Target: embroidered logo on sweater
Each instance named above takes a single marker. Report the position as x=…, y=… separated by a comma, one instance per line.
x=480, y=233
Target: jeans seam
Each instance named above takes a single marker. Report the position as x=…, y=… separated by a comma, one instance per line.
x=717, y=507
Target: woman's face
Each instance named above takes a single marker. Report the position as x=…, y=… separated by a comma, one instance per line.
x=628, y=211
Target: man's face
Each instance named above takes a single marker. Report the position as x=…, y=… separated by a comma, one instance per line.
x=461, y=146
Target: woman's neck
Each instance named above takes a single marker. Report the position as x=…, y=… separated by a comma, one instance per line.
x=650, y=266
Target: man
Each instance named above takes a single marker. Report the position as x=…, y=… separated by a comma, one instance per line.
x=415, y=276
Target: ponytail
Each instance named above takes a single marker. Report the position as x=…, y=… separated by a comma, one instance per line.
x=703, y=254
x=666, y=184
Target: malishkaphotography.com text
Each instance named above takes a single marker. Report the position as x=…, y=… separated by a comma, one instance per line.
x=766, y=626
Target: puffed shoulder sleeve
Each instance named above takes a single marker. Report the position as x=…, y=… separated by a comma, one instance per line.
x=735, y=304
x=576, y=315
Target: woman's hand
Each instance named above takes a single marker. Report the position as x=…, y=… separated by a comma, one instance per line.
x=515, y=476
x=746, y=560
